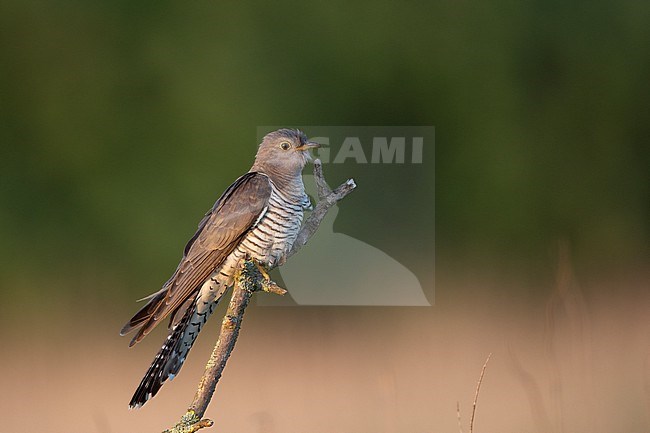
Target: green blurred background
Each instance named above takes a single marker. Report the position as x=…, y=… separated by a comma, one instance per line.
x=121, y=122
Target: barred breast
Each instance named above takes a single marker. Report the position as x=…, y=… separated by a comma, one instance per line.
x=270, y=239
x=275, y=231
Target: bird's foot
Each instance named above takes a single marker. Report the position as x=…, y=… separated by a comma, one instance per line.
x=262, y=270
x=266, y=284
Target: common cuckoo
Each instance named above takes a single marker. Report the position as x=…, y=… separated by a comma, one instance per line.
x=258, y=216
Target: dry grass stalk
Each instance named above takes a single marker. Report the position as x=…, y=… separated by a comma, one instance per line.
x=476, y=393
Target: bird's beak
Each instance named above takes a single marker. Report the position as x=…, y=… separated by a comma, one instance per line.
x=308, y=145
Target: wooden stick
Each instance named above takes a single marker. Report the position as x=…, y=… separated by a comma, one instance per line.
x=326, y=199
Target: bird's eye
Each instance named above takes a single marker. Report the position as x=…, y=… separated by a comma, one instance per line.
x=285, y=145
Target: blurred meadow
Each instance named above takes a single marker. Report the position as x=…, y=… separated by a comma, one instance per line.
x=122, y=122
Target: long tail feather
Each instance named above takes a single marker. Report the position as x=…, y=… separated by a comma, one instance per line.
x=172, y=354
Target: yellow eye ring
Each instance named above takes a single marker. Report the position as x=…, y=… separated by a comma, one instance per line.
x=285, y=145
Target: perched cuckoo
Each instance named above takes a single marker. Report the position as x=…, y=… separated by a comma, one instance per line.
x=258, y=216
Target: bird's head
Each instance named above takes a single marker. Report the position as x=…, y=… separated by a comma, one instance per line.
x=284, y=152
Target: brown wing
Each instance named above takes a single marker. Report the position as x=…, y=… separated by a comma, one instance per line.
x=231, y=217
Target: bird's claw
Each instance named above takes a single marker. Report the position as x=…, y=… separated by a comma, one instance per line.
x=267, y=284
x=262, y=269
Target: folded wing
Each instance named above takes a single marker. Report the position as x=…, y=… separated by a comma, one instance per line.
x=220, y=231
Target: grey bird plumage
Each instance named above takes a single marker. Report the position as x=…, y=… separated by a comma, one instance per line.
x=258, y=216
